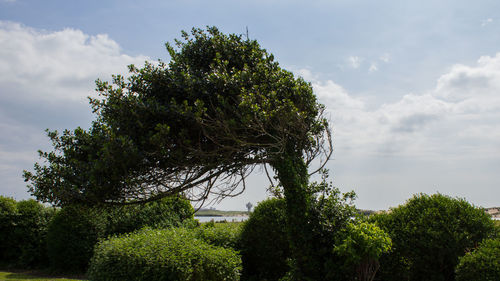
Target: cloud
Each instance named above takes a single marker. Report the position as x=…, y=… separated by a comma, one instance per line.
x=385, y=58
x=457, y=118
x=373, y=67
x=57, y=65
x=354, y=61
x=486, y=22
x=45, y=78
x=446, y=139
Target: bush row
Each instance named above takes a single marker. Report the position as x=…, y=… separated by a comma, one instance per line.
x=345, y=247
x=76, y=229
x=168, y=254
x=32, y=235
x=429, y=236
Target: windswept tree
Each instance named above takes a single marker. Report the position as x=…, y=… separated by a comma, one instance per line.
x=197, y=125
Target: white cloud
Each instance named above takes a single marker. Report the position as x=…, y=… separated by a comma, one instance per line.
x=458, y=118
x=57, y=65
x=486, y=21
x=444, y=140
x=45, y=78
x=354, y=61
x=373, y=67
x=385, y=58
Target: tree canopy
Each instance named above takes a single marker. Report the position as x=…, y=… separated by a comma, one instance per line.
x=198, y=124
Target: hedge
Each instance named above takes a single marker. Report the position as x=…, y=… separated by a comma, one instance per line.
x=222, y=234
x=168, y=254
x=23, y=230
x=76, y=229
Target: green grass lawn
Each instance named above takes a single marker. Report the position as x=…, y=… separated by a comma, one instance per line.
x=7, y=276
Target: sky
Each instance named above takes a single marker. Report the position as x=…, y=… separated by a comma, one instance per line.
x=412, y=88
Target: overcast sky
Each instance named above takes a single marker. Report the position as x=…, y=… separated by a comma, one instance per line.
x=412, y=87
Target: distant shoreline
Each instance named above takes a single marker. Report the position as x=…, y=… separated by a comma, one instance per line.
x=219, y=213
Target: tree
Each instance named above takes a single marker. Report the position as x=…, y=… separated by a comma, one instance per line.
x=198, y=125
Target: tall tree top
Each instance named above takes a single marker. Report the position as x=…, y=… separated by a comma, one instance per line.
x=198, y=124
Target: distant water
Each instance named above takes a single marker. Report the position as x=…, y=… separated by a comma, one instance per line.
x=221, y=218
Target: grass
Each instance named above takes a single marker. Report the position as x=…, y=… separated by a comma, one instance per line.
x=32, y=276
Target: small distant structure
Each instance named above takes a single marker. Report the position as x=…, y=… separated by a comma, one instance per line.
x=494, y=212
x=249, y=206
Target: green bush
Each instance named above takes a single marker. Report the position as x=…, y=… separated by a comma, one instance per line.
x=71, y=238
x=23, y=229
x=429, y=234
x=76, y=229
x=264, y=244
x=164, y=213
x=31, y=232
x=8, y=214
x=361, y=248
x=225, y=235
x=483, y=264
x=169, y=254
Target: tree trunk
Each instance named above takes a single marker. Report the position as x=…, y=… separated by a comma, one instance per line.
x=293, y=175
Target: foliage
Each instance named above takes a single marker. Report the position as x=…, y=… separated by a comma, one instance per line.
x=265, y=248
x=71, y=238
x=482, y=264
x=219, y=107
x=199, y=125
x=170, y=254
x=8, y=214
x=330, y=214
x=225, y=235
x=362, y=246
x=264, y=244
x=429, y=234
x=77, y=228
x=164, y=213
x=23, y=229
x=31, y=231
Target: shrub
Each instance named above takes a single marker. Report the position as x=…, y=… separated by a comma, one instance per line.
x=361, y=248
x=264, y=244
x=8, y=214
x=23, y=229
x=225, y=235
x=483, y=264
x=31, y=232
x=429, y=234
x=164, y=213
x=76, y=229
x=169, y=254
x=71, y=238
